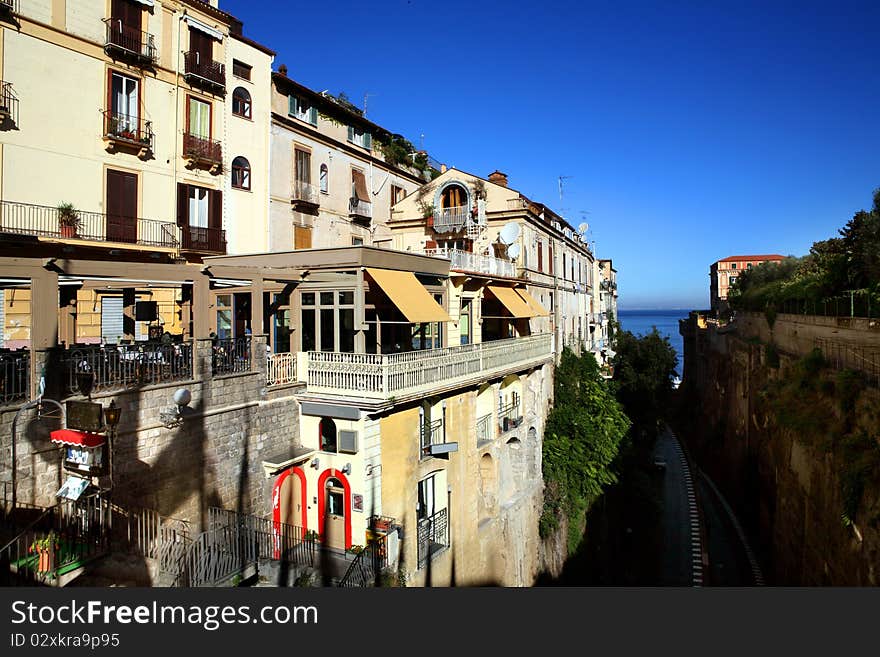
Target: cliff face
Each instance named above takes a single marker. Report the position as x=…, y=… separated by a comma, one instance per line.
x=793, y=444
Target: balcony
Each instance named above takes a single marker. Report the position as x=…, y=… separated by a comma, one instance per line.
x=204, y=73
x=451, y=220
x=304, y=194
x=200, y=151
x=207, y=240
x=130, y=44
x=473, y=262
x=433, y=536
x=43, y=221
x=509, y=416
x=432, y=440
x=280, y=369
x=8, y=7
x=8, y=105
x=15, y=367
x=388, y=378
x=96, y=368
x=124, y=132
x=358, y=209
x=484, y=429
x=231, y=356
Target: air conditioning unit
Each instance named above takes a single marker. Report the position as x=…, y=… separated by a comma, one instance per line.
x=348, y=442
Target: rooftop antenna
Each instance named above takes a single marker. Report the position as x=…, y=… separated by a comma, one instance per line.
x=561, y=179
x=422, y=141
x=365, y=102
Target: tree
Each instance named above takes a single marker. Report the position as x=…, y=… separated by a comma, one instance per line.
x=644, y=368
x=581, y=441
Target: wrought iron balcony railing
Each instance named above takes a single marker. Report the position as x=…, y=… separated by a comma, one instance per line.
x=8, y=6
x=431, y=433
x=198, y=238
x=129, y=130
x=231, y=356
x=359, y=208
x=203, y=71
x=44, y=221
x=202, y=150
x=450, y=220
x=94, y=368
x=484, y=429
x=15, y=369
x=8, y=103
x=128, y=42
x=509, y=416
x=433, y=535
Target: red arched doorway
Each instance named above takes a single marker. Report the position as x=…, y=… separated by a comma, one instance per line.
x=334, y=509
x=288, y=503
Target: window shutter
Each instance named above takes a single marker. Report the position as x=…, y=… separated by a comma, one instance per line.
x=291, y=104
x=313, y=115
x=348, y=442
x=215, y=209
x=368, y=141
x=350, y=133
x=182, y=204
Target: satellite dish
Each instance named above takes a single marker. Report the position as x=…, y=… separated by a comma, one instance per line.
x=513, y=251
x=509, y=233
x=583, y=228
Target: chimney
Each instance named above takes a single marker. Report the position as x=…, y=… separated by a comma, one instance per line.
x=442, y=168
x=283, y=70
x=498, y=178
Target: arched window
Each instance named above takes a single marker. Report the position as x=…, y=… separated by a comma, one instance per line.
x=327, y=431
x=241, y=102
x=323, y=178
x=241, y=173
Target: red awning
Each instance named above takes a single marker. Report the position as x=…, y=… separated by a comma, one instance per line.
x=74, y=437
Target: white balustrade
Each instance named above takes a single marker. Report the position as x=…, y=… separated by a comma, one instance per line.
x=383, y=376
x=467, y=261
x=280, y=369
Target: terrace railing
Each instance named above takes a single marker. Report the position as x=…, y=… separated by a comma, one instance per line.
x=484, y=429
x=411, y=373
x=110, y=367
x=231, y=356
x=202, y=238
x=204, y=70
x=474, y=262
x=43, y=221
x=280, y=369
x=126, y=40
x=433, y=536
x=15, y=369
x=304, y=192
x=128, y=129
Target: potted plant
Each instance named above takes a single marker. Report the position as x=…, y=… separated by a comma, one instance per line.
x=68, y=219
x=45, y=549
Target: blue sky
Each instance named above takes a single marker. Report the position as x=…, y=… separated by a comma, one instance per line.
x=689, y=132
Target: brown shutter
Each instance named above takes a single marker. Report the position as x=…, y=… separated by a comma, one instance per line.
x=302, y=238
x=182, y=204
x=550, y=258
x=360, y=185
x=215, y=209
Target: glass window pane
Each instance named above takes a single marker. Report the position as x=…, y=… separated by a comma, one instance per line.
x=346, y=298
x=224, y=324
x=346, y=330
x=326, y=298
x=328, y=329
x=282, y=331
x=308, y=298
x=334, y=504
x=224, y=300
x=327, y=428
x=308, y=330
x=370, y=334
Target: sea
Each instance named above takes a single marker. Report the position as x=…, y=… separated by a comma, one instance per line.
x=641, y=322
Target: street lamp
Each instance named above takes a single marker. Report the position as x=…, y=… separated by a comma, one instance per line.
x=112, y=415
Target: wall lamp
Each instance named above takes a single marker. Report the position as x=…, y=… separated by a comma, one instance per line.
x=173, y=417
x=315, y=462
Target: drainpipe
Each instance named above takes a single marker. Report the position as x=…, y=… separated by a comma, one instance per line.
x=177, y=127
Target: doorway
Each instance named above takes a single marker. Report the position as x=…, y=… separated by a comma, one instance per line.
x=121, y=206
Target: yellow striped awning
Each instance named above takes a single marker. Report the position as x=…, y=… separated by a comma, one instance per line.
x=410, y=296
x=539, y=310
x=512, y=301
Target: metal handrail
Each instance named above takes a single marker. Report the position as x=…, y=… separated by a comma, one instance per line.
x=44, y=221
x=209, y=70
x=127, y=128
x=128, y=40
x=202, y=148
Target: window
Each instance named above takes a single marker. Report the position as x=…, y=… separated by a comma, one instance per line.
x=359, y=186
x=749, y=266
x=464, y=322
x=302, y=110
x=199, y=118
x=324, y=179
x=241, y=70
x=198, y=206
x=224, y=316
x=327, y=431
x=733, y=265
x=327, y=320
x=360, y=137
x=241, y=173
x=303, y=163
x=241, y=103
x=397, y=194
x=357, y=241
x=123, y=103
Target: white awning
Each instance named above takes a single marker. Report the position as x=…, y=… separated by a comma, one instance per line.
x=203, y=27
x=149, y=3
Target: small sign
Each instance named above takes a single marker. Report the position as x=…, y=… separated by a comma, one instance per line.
x=85, y=416
x=357, y=503
x=72, y=488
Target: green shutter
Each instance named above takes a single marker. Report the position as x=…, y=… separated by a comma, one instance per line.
x=313, y=115
x=291, y=104
x=368, y=141
x=350, y=133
